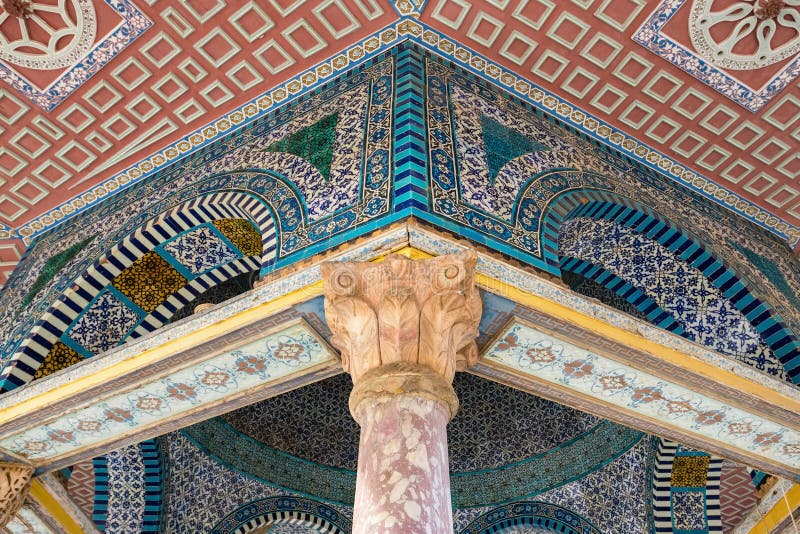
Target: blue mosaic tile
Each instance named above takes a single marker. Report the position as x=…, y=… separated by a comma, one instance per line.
x=126, y=490
x=502, y=144
x=202, y=491
x=200, y=250
x=689, y=510
x=598, y=498
x=707, y=317
x=104, y=324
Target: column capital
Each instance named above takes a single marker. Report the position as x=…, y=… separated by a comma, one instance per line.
x=402, y=322
x=15, y=482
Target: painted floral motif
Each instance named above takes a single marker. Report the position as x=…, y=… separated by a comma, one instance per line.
x=200, y=250
x=118, y=415
x=288, y=351
x=181, y=391
x=215, y=379
x=87, y=425
x=171, y=396
x=251, y=365
x=625, y=387
x=647, y=394
x=104, y=324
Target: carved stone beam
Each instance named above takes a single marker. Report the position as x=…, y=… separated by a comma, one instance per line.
x=15, y=483
x=403, y=328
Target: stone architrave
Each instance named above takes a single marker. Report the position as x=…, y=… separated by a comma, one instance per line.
x=15, y=482
x=403, y=328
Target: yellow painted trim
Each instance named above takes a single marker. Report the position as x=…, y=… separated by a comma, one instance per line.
x=147, y=357
x=515, y=294
x=40, y=494
x=408, y=252
x=779, y=512
x=637, y=342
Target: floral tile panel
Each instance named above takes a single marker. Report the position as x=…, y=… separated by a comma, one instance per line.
x=200, y=250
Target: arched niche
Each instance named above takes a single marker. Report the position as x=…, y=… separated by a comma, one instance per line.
x=584, y=232
x=314, y=515
x=140, y=282
x=530, y=516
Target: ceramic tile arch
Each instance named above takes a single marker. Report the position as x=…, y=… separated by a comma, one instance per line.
x=288, y=206
x=119, y=265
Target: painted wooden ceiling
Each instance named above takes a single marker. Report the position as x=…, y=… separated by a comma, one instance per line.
x=92, y=91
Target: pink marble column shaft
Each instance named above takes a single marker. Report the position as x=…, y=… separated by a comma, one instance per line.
x=403, y=482
x=403, y=328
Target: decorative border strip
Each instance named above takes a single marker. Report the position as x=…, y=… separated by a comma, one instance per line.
x=531, y=513
x=370, y=47
x=650, y=37
x=105, y=414
x=596, y=448
x=284, y=510
x=133, y=24
x=539, y=360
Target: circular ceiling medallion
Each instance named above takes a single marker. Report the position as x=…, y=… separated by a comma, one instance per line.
x=50, y=36
x=745, y=35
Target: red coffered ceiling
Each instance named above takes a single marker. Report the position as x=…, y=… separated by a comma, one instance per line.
x=203, y=58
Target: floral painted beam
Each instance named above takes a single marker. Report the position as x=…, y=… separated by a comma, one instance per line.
x=567, y=370
x=175, y=389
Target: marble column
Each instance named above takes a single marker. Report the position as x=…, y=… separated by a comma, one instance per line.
x=15, y=483
x=403, y=328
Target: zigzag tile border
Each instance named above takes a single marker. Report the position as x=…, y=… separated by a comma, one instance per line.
x=409, y=28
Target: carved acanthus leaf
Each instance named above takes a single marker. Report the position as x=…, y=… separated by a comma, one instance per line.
x=426, y=312
x=15, y=481
x=355, y=333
